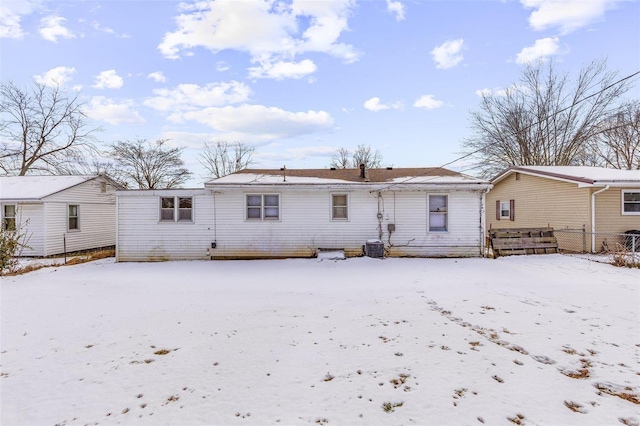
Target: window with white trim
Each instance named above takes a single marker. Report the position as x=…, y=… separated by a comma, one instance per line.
x=631, y=202
x=505, y=210
x=438, y=215
x=339, y=207
x=74, y=217
x=263, y=207
x=9, y=217
x=176, y=209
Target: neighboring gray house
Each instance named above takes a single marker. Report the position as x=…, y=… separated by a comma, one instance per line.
x=57, y=211
x=430, y=212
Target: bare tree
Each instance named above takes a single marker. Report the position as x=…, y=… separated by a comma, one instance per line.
x=42, y=130
x=363, y=154
x=618, y=145
x=149, y=165
x=341, y=159
x=221, y=158
x=545, y=119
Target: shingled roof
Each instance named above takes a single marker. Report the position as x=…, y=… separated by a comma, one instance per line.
x=348, y=175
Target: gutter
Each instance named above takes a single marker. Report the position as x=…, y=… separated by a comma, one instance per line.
x=593, y=217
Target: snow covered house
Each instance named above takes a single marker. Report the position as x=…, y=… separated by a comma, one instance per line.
x=295, y=213
x=596, y=199
x=60, y=212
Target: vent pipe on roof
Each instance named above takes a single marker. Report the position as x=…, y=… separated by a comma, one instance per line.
x=363, y=173
x=284, y=173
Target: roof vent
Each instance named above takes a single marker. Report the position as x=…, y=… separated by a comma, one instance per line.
x=389, y=168
x=332, y=168
x=363, y=173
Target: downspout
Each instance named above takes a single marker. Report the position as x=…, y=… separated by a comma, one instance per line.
x=593, y=218
x=483, y=222
x=117, y=225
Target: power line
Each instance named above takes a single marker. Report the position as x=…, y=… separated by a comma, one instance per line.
x=513, y=133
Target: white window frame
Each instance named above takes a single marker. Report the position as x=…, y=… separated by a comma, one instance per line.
x=445, y=213
x=176, y=209
x=14, y=217
x=333, y=207
x=76, y=217
x=623, y=202
x=508, y=210
x=263, y=207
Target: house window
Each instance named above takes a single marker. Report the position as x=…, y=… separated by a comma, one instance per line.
x=505, y=210
x=167, y=209
x=631, y=202
x=263, y=206
x=9, y=217
x=185, y=209
x=437, y=205
x=339, y=207
x=174, y=209
x=74, y=217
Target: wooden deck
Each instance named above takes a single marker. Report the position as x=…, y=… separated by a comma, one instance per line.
x=507, y=242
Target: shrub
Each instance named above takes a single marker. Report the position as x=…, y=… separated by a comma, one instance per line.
x=12, y=242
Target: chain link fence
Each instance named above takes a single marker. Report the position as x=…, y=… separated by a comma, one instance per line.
x=622, y=249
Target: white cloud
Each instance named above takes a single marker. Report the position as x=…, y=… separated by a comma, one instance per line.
x=448, y=54
x=101, y=108
x=282, y=70
x=484, y=92
x=108, y=80
x=272, y=31
x=11, y=13
x=427, y=102
x=55, y=76
x=52, y=27
x=566, y=15
x=374, y=104
x=157, y=76
x=10, y=23
x=259, y=120
x=502, y=91
x=192, y=96
x=222, y=66
x=96, y=25
x=541, y=50
x=396, y=8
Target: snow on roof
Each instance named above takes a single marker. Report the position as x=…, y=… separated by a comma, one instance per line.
x=583, y=174
x=36, y=187
x=344, y=176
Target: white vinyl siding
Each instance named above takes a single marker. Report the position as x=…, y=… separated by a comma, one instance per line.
x=96, y=218
x=141, y=237
x=305, y=225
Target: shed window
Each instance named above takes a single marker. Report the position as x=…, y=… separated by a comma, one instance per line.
x=178, y=209
x=263, y=207
x=438, y=221
x=74, y=217
x=631, y=202
x=9, y=217
x=339, y=207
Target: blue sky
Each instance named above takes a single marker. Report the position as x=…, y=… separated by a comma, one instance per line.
x=298, y=79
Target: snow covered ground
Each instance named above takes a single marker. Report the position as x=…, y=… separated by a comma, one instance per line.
x=532, y=340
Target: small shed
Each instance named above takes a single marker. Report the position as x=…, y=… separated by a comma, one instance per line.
x=60, y=213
